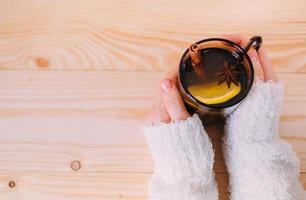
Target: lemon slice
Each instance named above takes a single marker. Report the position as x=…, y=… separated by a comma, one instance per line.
x=214, y=93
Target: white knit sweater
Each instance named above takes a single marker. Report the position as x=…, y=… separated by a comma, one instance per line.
x=261, y=165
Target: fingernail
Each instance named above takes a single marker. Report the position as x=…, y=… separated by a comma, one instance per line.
x=253, y=58
x=166, y=85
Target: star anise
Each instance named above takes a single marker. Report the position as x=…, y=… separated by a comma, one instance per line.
x=229, y=75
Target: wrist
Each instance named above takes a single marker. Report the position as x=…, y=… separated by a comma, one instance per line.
x=257, y=117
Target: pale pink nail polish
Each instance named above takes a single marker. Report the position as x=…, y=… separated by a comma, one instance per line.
x=166, y=85
x=253, y=58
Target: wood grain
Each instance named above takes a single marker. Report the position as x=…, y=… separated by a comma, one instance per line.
x=52, y=133
x=76, y=185
x=141, y=35
x=92, y=91
x=58, y=140
x=80, y=185
x=77, y=77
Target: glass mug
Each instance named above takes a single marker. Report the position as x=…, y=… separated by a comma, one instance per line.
x=215, y=75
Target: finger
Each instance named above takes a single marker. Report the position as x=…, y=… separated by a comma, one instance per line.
x=165, y=114
x=161, y=113
x=266, y=64
x=256, y=64
x=243, y=41
x=173, y=100
x=172, y=74
x=158, y=112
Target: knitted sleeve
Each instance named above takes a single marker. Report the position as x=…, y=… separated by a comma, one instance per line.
x=183, y=157
x=261, y=165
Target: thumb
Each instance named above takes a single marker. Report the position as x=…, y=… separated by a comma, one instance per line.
x=173, y=101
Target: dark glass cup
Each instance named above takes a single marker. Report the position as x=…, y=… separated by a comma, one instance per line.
x=215, y=75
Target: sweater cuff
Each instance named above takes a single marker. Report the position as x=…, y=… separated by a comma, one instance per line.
x=180, y=149
x=257, y=117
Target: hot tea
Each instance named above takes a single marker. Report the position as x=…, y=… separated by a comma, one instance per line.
x=222, y=81
x=215, y=75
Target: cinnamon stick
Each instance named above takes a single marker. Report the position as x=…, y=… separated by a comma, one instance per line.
x=196, y=59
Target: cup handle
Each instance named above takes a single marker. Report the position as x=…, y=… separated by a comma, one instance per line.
x=255, y=42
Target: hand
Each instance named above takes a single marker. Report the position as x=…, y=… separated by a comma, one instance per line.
x=261, y=62
x=256, y=118
x=168, y=105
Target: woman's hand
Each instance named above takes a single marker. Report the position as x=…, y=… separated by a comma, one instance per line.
x=257, y=117
x=182, y=151
x=260, y=164
x=261, y=62
x=168, y=105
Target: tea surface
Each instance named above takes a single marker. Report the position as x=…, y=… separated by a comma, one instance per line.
x=216, y=88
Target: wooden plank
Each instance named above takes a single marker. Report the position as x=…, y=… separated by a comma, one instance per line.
x=52, y=142
x=49, y=119
x=74, y=186
x=49, y=92
x=80, y=185
x=91, y=90
x=28, y=154
x=141, y=35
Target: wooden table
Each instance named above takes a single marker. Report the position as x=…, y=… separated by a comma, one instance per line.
x=77, y=77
